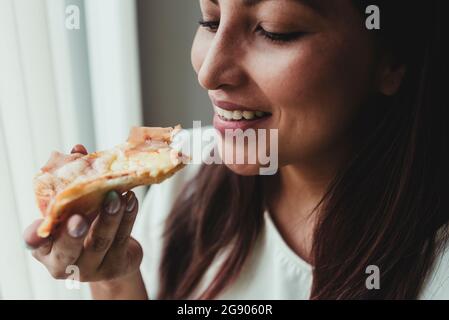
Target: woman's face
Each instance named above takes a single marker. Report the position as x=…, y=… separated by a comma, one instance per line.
x=306, y=64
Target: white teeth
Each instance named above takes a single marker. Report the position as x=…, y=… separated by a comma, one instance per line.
x=248, y=115
x=237, y=114
x=219, y=111
x=228, y=114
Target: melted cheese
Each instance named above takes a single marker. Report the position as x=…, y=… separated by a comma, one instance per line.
x=70, y=171
x=155, y=157
x=142, y=161
x=103, y=164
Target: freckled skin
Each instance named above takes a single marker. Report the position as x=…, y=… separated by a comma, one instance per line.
x=313, y=86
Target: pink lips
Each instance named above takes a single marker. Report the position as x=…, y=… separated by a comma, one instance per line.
x=222, y=125
x=230, y=106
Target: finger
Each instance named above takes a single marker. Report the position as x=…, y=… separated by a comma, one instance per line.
x=67, y=247
x=102, y=232
x=32, y=240
x=134, y=255
x=127, y=223
x=120, y=244
x=79, y=148
x=128, y=262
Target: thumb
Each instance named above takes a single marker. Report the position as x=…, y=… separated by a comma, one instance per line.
x=31, y=238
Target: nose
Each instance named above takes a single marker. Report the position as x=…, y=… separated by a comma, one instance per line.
x=222, y=63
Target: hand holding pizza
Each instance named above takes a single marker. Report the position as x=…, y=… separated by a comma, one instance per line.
x=88, y=209
x=99, y=244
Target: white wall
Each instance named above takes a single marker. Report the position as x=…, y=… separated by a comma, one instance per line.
x=170, y=91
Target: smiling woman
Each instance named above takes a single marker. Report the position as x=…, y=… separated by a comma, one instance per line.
x=362, y=148
x=361, y=120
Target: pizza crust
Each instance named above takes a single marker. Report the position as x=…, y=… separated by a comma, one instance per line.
x=77, y=184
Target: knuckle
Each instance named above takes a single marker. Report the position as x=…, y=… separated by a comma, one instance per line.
x=40, y=252
x=135, y=255
x=57, y=273
x=98, y=244
x=110, y=222
x=121, y=240
x=139, y=251
x=64, y=257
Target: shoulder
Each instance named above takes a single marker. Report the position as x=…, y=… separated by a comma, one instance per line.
x=437, y=285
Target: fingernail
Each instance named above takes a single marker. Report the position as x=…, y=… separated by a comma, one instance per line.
x=112, y=202
x=131, y=202
x=76, y=226
x=79, y=148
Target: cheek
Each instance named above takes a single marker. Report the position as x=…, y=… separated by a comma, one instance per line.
x=314, y=91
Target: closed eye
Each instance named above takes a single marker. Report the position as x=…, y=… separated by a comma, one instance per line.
x=212, y=26
x=209, y=25
x=279, y=37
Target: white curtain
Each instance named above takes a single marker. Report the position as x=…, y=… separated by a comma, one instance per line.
x=58, y=87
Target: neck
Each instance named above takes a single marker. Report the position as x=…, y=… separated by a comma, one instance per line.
x=294, y=207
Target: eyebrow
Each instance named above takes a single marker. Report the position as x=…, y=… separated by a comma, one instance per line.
x=313, y=4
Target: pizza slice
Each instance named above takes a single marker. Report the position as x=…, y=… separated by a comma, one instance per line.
x=77, y=183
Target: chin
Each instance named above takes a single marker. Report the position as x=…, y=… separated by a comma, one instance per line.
x=244, y=169
x=243, y=160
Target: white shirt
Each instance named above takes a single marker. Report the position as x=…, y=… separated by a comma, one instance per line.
x=272, y=271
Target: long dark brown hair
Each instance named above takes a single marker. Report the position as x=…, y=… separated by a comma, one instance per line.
x=384, y=208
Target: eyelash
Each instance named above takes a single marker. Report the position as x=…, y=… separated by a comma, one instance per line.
x=212, y=26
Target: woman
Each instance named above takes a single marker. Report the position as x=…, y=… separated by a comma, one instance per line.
x=357, y=209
